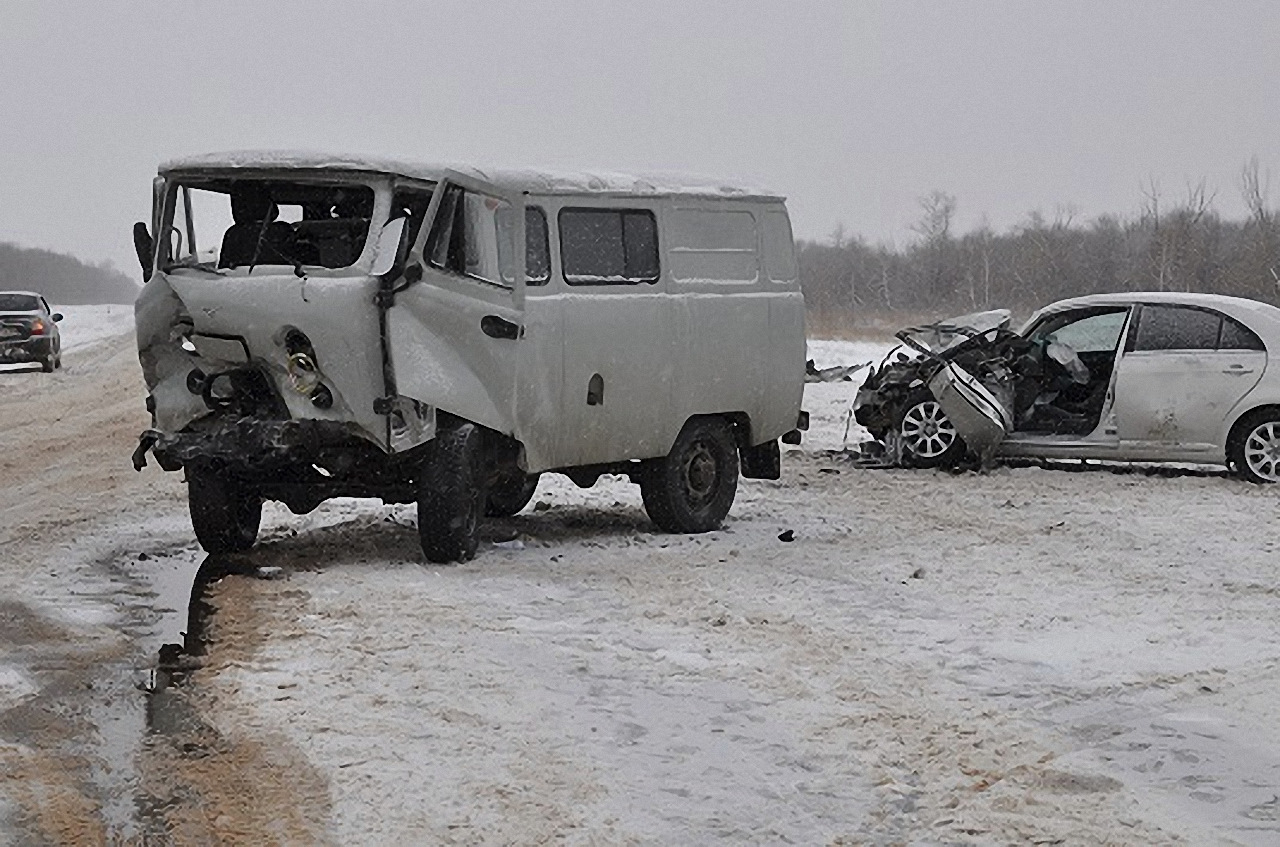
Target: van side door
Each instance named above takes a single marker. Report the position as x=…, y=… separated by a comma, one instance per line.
x=453, y=336
x=618, y=367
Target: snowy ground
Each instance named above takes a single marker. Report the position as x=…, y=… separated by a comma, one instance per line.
x=1024, y=656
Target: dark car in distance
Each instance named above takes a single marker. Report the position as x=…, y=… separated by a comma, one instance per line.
x=29, y=330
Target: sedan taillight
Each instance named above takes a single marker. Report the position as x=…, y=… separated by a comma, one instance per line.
x=37, y=327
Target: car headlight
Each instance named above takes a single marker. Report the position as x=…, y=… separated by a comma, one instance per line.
x=304, y=376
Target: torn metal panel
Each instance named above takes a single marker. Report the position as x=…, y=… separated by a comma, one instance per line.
x=973, y=409
x=838, y=373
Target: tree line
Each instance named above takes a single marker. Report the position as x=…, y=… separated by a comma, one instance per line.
x=1178, y=244
x=62, y=279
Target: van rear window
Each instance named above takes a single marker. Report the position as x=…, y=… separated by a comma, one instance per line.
x=608, y=246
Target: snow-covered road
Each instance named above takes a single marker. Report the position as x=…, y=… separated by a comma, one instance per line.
x=1024, y=656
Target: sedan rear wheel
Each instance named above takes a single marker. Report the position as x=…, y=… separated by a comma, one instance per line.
x=1256, y=455
x=927, y=436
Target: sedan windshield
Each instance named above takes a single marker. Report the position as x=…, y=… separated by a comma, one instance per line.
x=222, y=223
x=19, y=303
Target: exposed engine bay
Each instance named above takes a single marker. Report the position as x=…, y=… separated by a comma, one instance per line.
x=1027, y=384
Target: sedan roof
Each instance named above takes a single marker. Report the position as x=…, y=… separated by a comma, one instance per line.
x=1247, y=311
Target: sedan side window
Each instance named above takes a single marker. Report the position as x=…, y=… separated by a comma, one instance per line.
x=1237, y=336
x=1177, y=328
x=1094, y=334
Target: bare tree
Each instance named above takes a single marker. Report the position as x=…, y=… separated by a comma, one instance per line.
x=934, y=226
x=1255, y=189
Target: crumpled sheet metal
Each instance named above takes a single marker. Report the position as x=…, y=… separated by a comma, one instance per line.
x=838, y=373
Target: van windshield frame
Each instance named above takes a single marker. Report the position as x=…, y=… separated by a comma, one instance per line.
x=320, y=223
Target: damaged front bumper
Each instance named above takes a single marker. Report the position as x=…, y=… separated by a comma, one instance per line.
x=250, y=446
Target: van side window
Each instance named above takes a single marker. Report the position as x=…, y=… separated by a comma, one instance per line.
x=608, y=246
x=712, y=244
x=537, y=255
x=465, y=235
x=779, y=253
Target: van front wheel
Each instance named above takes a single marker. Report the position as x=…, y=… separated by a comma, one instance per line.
x=225, y=513
x=692, y=488
x=451, y=497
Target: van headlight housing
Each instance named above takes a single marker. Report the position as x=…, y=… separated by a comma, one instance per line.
x=304, y=376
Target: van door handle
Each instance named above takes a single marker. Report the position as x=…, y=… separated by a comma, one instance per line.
x=498, y=327
x=1238, y=370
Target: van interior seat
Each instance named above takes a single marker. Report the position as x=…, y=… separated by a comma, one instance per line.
x=240, y=245
x=332, y=242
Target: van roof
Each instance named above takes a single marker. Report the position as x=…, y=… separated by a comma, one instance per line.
x=531, y=181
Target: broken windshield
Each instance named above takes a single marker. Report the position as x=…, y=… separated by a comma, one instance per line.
x=222, y=223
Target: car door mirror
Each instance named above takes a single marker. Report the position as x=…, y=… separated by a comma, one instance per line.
x=388, y=247
x=57, y=316
x=144, y=246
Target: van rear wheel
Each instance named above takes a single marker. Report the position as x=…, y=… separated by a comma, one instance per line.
x=510, y=493
x=451, y=497
x=692, y=488
x=225, y=512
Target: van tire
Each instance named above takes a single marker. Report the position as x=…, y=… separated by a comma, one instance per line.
x=510, y=493
x=692, y=488
x=451, y=497
x=225, y=513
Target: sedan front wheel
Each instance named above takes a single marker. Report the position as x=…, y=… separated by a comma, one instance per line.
x=927, y=437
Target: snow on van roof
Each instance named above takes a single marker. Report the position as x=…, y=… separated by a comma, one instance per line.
x=533, y=181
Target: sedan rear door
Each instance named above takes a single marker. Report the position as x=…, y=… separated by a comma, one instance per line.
x=1184, y=368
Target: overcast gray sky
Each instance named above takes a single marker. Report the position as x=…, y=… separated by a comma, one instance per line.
x=853, y=110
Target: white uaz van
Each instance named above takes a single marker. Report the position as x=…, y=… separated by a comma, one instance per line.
x=316, y=326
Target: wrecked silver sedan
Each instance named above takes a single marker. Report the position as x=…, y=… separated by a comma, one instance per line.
x=319, y=326
x=1151, y=377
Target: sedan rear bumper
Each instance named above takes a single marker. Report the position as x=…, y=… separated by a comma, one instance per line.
x=26, y=349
